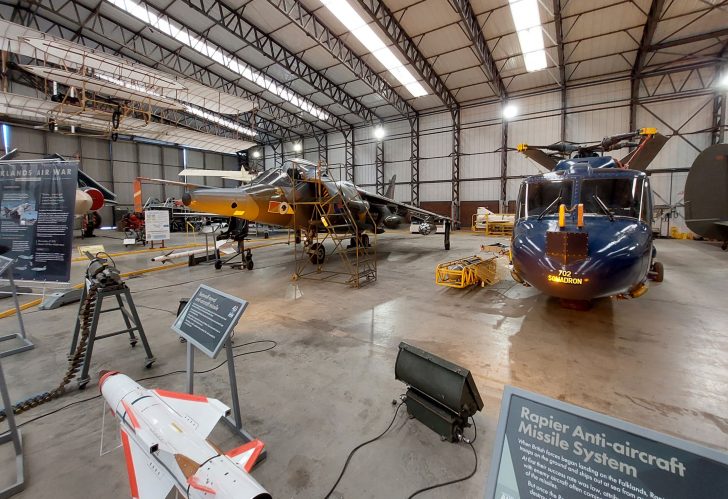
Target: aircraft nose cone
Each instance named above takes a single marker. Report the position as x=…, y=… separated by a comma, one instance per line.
x=186, y=198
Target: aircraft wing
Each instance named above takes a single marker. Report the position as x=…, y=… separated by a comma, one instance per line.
x=186, y=185
x=413, y=210
x=201, y=412
x=144, y=481
x=538, y=156
x=240, y=176
x=640, y=158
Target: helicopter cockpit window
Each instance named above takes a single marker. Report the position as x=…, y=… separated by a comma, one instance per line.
x=543, y=198
x=621, y=196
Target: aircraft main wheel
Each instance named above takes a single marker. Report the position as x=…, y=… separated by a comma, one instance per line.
x=318, y=253
x=659, y=271
x=218, y=264
x=724, y=246
x=249, y=264
x=365, y=240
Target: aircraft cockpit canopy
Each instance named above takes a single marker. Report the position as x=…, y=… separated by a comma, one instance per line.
x=293, y=170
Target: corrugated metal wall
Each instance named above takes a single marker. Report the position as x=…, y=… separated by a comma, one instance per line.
x=116, y=164
x=678, y=106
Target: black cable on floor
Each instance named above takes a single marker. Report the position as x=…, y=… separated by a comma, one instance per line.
x=55, y=411
x=458, y=480
x=155, y=308
x=348, y=458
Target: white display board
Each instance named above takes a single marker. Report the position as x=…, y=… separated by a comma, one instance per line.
x=156, y=224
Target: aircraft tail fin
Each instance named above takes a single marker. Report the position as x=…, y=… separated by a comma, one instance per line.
x=390, y=188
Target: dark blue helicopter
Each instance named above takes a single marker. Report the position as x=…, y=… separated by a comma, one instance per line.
x=584, y=230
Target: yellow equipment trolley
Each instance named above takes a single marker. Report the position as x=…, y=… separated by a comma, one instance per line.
x=466, y=272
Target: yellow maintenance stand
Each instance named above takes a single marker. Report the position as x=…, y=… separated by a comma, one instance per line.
x=466, y=272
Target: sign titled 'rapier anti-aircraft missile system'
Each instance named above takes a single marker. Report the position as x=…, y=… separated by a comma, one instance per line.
x=550, y=449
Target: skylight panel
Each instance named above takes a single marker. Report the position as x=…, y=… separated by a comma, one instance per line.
x=528, y=26
x=359, y=28
x=224, y=122
x=162, y=23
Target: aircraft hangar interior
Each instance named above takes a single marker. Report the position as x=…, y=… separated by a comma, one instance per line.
x=364, y=249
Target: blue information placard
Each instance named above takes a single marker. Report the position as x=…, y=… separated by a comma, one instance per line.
x=546, y=448
x=209, y=318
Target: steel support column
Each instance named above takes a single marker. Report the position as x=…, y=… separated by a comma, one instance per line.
x=349, y=154
x=653, y=17
x=562, y=64
x=322, y=143
x=719, y=124
x=277, y=154
x=504, y=167
x=455, y=211
x=379, y=162
x=415, y=160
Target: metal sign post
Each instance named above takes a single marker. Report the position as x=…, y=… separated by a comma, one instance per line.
x=207, y=322
x=12, y=435
x=6, y=267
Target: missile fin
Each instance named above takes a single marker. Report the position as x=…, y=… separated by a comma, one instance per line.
x=146, y=480
x=188, y=466
x=247, y=454
x=201, y=413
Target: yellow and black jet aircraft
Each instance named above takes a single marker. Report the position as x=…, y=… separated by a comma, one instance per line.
x=289, y=197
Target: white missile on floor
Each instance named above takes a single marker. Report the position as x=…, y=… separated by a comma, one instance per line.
x=164, y=435
x=167, y=257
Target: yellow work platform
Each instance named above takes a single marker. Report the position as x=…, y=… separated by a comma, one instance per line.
x=466, y=272
x=493, y=224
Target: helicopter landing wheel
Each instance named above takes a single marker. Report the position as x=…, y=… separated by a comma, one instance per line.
x=657, y=272
x=659, y=269
x=724, y=246
x=218, y=264
x=317, y=253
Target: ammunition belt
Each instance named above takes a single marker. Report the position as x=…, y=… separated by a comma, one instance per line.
x=74, y=363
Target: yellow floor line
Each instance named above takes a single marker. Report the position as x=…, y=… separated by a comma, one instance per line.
x=33, y=303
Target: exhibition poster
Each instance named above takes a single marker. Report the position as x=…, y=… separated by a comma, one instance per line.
x=37, y=201
x=546, y=448
x=156, y=225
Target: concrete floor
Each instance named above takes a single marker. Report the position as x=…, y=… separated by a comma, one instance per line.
x=659, y=361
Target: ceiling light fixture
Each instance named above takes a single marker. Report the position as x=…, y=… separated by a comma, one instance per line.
x=297, y=147
x=256, y=154
x=510, y=111
x=528, y=26
x=170, y=28
x=379, y=133
x=359, y=28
